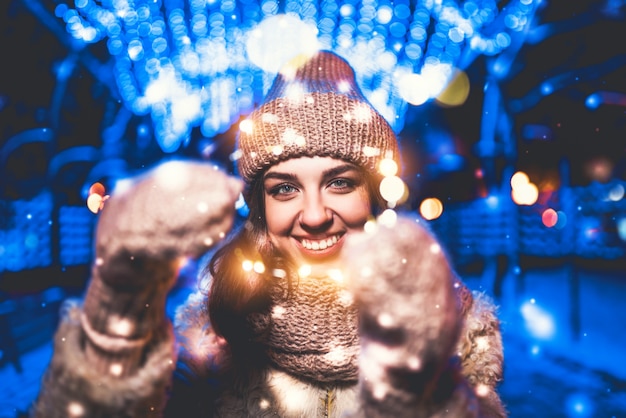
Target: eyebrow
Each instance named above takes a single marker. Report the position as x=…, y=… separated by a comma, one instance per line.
x=331, y=172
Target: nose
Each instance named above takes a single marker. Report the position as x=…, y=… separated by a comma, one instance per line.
x=315, y=214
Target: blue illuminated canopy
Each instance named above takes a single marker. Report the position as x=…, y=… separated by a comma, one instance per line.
x=204, y=63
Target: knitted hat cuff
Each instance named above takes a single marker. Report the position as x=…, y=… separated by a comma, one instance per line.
x=314, y=124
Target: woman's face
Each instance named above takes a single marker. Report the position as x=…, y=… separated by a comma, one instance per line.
x=312, y=204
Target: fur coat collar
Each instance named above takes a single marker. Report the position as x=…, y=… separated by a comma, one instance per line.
x=271, y=392
x=266, y=392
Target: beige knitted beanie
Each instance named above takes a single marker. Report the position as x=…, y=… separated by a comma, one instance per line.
x=314, y=108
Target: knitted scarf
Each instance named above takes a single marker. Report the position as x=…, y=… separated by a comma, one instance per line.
x=312, y=330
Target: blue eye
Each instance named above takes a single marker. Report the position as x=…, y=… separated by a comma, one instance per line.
x=341, y=183
x=282, y=189
x=286, y=188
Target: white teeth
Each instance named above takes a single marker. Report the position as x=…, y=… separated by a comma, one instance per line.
x=320, y=244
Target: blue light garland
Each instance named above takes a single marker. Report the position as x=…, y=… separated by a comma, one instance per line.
x=204, y=63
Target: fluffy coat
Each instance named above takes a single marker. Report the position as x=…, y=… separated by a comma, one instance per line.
x=479, y=350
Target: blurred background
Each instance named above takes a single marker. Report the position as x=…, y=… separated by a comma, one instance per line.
x=511, y=117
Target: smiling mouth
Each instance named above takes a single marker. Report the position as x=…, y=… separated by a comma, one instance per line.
x=319, y=245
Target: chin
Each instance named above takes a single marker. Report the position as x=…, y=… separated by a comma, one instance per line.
x=321, y=266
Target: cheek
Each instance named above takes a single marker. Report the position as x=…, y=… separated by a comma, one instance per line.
x=277, y=217
x=356, y=210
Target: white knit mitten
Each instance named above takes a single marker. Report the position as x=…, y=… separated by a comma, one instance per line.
x=115, y=356
x=177, y=209
x=409, y=324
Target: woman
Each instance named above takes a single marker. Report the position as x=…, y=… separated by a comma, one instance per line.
x=306, y=315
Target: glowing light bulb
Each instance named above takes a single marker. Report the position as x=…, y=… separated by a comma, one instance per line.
x=336, y=275
x=385, y=320
x=116, y=369
x=435, y=248
x=202, y=207
x=414, y=363
x=482, y=390
x=392, y=189
x=74, y=409
x=122, y=327
x=526, y=194
x=431, y=208
x=413, y=88
x=456, y=92
x=247, y=265
x=388, y=218
x=264, y=404
x=95, y=202
x=388, y=167
x=549, y=217
x=259, y=267
x=519, y=179
x=304, y=271
x=370, y=227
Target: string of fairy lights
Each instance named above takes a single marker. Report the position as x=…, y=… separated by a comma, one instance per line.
x=204, y=63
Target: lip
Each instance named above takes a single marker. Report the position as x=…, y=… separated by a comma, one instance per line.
x=317, y=252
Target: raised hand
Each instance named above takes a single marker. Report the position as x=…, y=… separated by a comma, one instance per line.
x=116, y=355
x=409, y=323
x=177, y=209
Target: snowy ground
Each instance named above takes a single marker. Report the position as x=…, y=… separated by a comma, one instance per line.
x=552, y=367
x=564, y=337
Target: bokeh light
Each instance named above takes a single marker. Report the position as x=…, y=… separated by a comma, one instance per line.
x=388, y=218
x=621, y=228
x=456, y=92
x=538, y=321
x=393, y=189
x=616, y=193
x=599, y=169
x=388, y=167
x=549, y=217
x=431, y=208
x=579, y=405
x=295, y=37
x=561, y=219
x=523, y=192
x=414, y=89
x=96, y=197
x=519, y=179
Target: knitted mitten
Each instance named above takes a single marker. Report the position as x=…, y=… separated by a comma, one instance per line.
x=115, y=356
x=178, y=209
x=409, y=324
